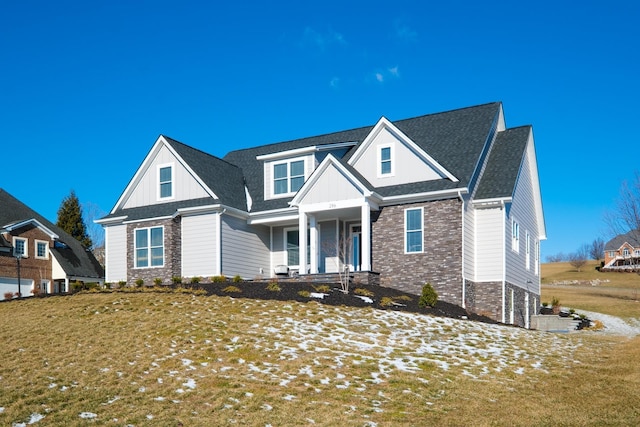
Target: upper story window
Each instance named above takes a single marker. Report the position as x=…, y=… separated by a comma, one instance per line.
x=612, y=254
x=625, y=252
x=288, y=177
x=413, y=230
x=149, y=247
x=165, y=181
x=515, y=236
x=385, y=160
x=20, y=247
x=42, y=249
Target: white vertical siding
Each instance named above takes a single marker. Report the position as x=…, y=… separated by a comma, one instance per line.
x=115, y=253
x=185, y=186
x=406, y=165
x=332, y=186
x=489, y=244
x=523, y=211
x=278, y=253
x=200, y=245
x=245, y=248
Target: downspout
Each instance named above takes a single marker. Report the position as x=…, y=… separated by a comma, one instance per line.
x=504, y=259
x=464, y=280
x=219, y=233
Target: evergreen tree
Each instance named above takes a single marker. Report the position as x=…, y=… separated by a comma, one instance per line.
x=70, y=219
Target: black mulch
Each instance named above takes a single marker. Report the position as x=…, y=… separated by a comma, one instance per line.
x=289, y=291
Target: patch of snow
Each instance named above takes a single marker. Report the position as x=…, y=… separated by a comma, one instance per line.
x=289, y=397
x=364, y=298
x=191, y=383
x=87, y=415
x=318, y=295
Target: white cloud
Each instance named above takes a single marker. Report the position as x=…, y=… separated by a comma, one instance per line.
x=322, y=40
x=404, y=32
x=380, y=77
x=335, y=82
x=394, y=71
x=387, y=74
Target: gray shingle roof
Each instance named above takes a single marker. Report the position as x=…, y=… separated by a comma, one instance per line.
x=75, y=259
x=500, y=176
x=632, y=237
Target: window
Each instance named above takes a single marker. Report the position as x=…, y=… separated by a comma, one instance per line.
x=149, y=247
x=413, y=230
x=625, y=252
x=612, y=254
x=385, y=161
x=165, y=180
x=292, y=246
x=20, y=247
x=515, y=236
x=528, y=249
x=42, y=249
x=288, y=177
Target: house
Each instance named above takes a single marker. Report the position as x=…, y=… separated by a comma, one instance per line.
x=623, y=252
x=36, y=256
x=451, y=198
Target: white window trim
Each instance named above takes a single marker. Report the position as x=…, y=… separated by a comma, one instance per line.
x=26, y=246
x=46, y=252
x=135, y=252
x=272, y=180
x=421, y=209
x=173, y=181
x=515, y=236
x=392, y=159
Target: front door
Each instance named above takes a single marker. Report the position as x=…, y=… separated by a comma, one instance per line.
x=356, y=247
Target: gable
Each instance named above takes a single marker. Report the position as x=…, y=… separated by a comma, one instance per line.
x=145, y=187
x=387, y=157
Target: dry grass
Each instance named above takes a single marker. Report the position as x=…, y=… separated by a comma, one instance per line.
x=616, y=294
x=164, y=359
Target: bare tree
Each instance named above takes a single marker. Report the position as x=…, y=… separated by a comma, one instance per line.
x=559, y=257
x=579, y=258
x=597, y=249
x=626, y=216
x=338, y=253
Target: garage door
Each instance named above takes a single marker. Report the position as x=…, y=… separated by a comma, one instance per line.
x=8, y=284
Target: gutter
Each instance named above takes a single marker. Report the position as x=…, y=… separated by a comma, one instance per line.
x=504, y=260
x=464, y=280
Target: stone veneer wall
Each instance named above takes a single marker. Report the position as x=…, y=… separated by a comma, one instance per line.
x=484, y=298
x=519, y=307
x=172, y=253
x=439, y=264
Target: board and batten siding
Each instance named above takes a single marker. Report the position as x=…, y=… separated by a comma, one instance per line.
x=523, y=211
x=245, y=248
x=116, y=253
x=200, y=245
x=489, y=244
x=407, y=167
x=332, y=186
x=185, y=185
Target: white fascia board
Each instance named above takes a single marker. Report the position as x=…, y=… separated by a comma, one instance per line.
x=191, y=171
x=491, y=202
x=384, y=123
x=535, y=182
x=288, y=153
x=275, y=215
x=110, y=221
x=196, y=210
x=157, y=218
x=336, y=146
x=35, y=222
x=420, y=197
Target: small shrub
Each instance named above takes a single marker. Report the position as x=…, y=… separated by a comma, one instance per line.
x=322, y=288
x=274, y=287
x=157, y=281
x=402, y=298
x=555, y=305
x=76, y=286
x=122, y=283
x=8, y=295
x=386, y=302
x=92, y=286
x=429, y=297
x=364, y=292
x=218, y=279
x=232, y=289
x=35, y=292
x=107, y=285
x=176, y=280
x=195, y=280
x=304, y=293
x=237, y=278
x=139, y=282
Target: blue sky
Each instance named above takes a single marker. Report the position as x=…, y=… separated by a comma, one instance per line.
x=87, y=87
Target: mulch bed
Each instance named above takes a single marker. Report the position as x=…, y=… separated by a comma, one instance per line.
x=290, y=292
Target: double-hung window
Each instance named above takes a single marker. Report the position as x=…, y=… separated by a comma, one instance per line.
x=385, y=161
x=288, y=177
x=149, y=247
x=20, y=248
x=515, y=236
x=413, y=230
x=165, y=181
x=42, y=249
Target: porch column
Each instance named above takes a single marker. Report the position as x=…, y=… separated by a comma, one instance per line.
x=365, y=263
x=313, y=237
x=302, y=242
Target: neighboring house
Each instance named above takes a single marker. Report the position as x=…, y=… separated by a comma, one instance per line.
x=623, y=252
x=48, y=258
x=451, y=198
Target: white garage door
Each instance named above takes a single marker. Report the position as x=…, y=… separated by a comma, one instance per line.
x=8, y=284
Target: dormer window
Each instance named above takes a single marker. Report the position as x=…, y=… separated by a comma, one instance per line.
x=165, y=181
x=385, y=161
x=288, y=177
